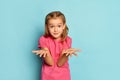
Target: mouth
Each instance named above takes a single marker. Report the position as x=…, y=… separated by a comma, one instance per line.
x=55, y=33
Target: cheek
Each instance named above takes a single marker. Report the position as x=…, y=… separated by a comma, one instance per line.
x=61, y=29
x=51, y=30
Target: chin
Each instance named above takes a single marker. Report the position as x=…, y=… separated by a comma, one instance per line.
x=56, y=37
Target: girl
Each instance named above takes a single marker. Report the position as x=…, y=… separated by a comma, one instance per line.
x=55, y=48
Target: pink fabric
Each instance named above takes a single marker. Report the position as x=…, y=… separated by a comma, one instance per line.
x=55, y=47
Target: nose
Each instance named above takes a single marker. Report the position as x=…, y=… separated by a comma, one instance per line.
x=55, y=29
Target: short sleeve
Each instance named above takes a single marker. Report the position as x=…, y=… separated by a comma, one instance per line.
x=69, y=42
x=42, y=42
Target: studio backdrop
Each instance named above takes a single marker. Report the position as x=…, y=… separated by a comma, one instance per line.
x=94, y=26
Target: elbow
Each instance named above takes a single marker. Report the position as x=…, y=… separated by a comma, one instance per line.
x=51, y=64
x=59, y=65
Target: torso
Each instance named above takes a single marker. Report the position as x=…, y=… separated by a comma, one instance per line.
x=54, y=72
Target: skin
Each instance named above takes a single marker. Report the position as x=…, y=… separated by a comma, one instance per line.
x=45, y=53
x=65, y=54
x=56, y=27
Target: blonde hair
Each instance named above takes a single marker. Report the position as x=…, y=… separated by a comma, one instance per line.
x=53, y=15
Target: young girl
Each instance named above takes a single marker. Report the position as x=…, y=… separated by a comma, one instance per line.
x=55, y=48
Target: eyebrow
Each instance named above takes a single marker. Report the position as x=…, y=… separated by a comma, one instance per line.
x=58, y=24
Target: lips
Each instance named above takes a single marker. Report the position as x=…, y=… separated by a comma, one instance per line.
x=55, y=33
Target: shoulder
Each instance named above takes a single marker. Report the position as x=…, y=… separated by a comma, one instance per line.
x=68, y=38
x=43, y=42
x=43, y=38
x=68, y=41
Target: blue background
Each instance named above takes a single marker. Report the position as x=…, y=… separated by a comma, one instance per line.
x=94, y=27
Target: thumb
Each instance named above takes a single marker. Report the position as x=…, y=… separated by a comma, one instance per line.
x=34, y=51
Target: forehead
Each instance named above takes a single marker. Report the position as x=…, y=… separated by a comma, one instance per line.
x=55, y=21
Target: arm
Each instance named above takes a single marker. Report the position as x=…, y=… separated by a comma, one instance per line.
x=61, y=61
x=48, y=58
x=63, y=57
x=44, y=52
x=65, y=54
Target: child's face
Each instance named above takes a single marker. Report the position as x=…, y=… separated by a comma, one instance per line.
x=56, y=27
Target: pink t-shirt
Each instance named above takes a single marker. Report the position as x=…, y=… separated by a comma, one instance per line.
x=55, y=47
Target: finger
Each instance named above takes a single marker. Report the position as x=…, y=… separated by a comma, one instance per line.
x=41, y=54
x=77, y=50
x=75, y=54
x=37, y=53
x=72, y=52
x=34, y=51
x=47, y=53
x=44, y=55
x=68, y=52
x=64, y=52
x=74, y=49
x=70, y=55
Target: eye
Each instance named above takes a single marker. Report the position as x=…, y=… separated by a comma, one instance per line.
x=59, y=26
x=51, y=26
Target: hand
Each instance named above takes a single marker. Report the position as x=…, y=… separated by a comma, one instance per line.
x=70, y=51
x=42, y=52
